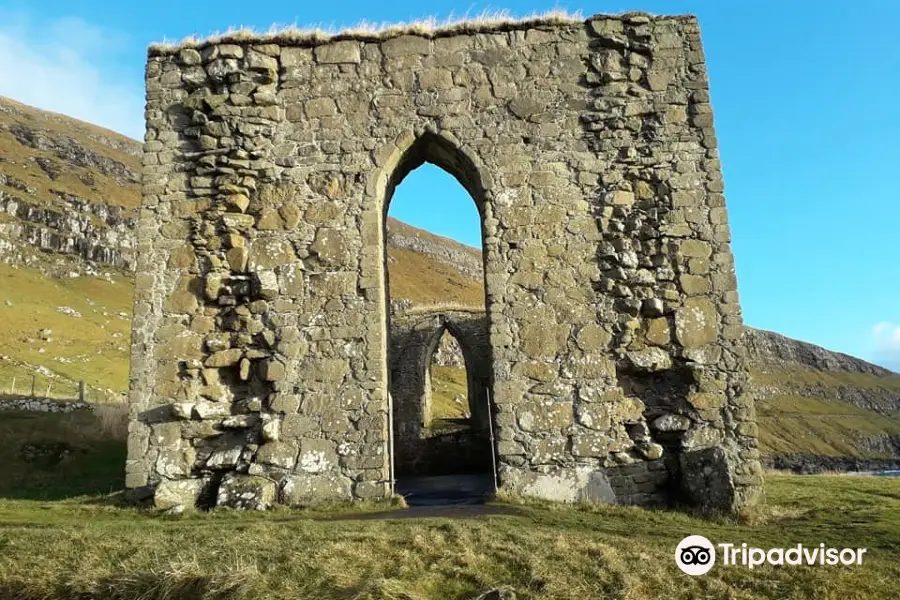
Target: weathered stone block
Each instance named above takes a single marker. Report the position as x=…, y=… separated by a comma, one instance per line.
x=308, y=489
x=650, y=360
x=237, y=258
x=706, y=479
x=346, y=52
x=671, y=422
x=246, y=492
x=270, y=252
x=317, y=456
x=406, y=45
x=696, y=323
x=329, y=246
x=278, y=454
x=546, y=416
x=592, y=338
x=182, y=493
x=184, y=297
x=265, y=285
x=658, y=332
x=211, y=410
x=224, y=358
x=701, y=437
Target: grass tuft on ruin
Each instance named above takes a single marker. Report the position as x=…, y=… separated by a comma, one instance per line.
x=487, y=20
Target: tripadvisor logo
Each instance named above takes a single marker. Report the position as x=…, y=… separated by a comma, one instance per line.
x=696, y=555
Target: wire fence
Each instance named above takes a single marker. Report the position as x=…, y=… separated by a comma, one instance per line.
x=39, y=385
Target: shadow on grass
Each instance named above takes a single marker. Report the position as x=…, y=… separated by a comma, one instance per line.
x=57, y=456
x=145, y=585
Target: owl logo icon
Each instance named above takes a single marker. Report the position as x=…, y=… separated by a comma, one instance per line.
x=695, y=555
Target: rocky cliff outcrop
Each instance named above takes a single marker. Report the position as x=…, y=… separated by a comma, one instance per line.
x=68, y=193
x=95, y=233
x=805, y=370
x=109, y=139
x=768, y=349
x=70, y=152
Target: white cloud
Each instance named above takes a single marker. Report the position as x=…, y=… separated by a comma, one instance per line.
x=886, y=336
x=881, y=327
x=67, y=66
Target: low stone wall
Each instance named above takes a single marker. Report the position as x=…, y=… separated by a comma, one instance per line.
x=42, y=405
x=809, y=464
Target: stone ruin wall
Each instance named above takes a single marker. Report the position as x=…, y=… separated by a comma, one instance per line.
x=260, y=351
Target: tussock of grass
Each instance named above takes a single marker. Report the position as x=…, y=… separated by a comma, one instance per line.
x=366, y=30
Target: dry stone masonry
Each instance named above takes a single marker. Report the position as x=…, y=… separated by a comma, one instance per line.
x=261, y=357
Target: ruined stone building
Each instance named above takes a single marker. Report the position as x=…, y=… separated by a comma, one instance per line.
x=262, y=343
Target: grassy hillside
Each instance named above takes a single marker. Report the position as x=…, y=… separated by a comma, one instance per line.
x=831, y=428
x=406, y=230
x=447, y=384
x=802, y=410
x=424, y=280
x=93, y=346
x=78, y=158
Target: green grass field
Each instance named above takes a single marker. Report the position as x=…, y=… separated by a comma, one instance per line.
x=831, y=428
x=93, y=347
x=85, y=548
x=446, y=384
x=64, y=534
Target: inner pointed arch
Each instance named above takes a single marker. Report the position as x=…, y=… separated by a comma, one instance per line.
x=446, y=329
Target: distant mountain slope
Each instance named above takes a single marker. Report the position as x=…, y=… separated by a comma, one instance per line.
x=821, y=409
x=775, y=350
x=465, y=259
x=68, y=198
x=68, y=190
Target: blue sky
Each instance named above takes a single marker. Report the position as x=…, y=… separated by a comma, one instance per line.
x=804, y=95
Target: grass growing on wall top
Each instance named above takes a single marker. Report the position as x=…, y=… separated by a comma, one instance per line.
x=430, y=26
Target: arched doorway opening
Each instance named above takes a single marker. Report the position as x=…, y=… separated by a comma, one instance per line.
x=448, y=401
x=440, y=417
